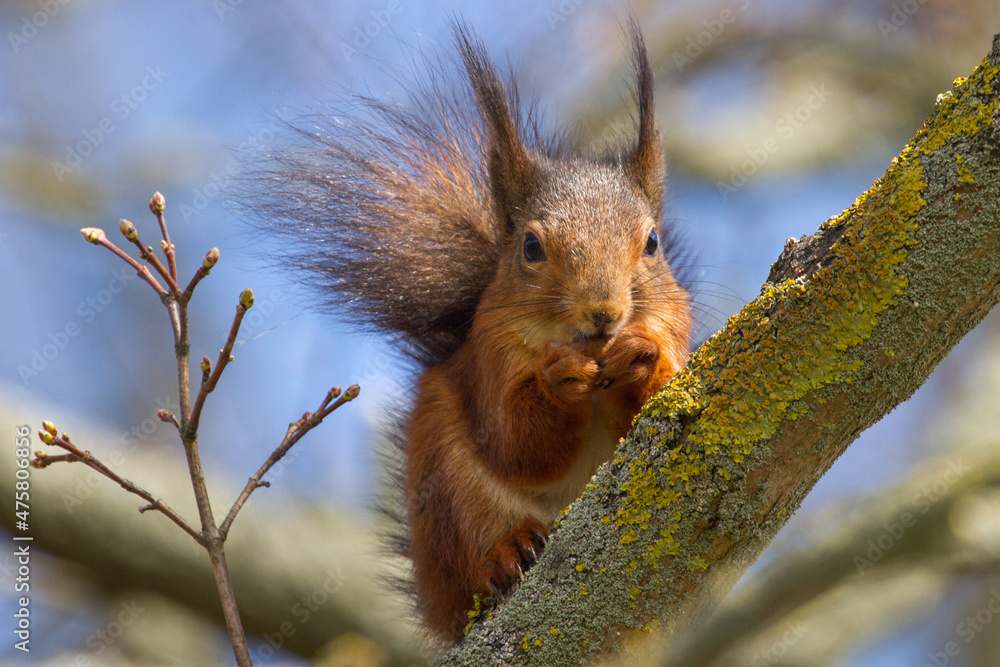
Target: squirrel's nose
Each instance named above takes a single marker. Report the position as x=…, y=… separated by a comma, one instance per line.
x=603, y=317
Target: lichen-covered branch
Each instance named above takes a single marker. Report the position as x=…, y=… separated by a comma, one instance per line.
x=722, y=457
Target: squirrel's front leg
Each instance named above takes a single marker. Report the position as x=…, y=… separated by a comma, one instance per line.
x=544, y=416
x=633, y=367
x=531, y=419
x=566, y=376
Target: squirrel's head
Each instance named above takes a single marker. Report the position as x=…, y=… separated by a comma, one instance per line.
x=584, y=250
x=580, y=249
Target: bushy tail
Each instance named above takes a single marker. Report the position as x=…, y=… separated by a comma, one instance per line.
x=389, y=210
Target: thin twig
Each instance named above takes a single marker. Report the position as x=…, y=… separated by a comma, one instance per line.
x=97, y=237
x=295, y=432
x=129, y=231
x=43, y=460
x=156, y=205
x=206, y=266
x=169, y=418
x=225, y=355
x=176, y=303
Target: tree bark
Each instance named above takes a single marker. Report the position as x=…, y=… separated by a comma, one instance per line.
x=850, y=324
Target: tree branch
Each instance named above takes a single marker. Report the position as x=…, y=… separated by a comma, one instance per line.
x=43, y=460
x=721, y=458
x=294, y=433
x=190, y=427
x=304, y=576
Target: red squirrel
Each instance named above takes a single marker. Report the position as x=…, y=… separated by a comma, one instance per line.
x=528, y=281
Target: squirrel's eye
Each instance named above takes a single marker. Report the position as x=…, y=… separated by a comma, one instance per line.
x=533, y=251
x=652, y=243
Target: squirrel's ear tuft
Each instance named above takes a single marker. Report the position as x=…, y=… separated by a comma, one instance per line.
x=645, y=165
x=512, y=171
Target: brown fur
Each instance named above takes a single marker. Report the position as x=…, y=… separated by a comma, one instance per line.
x=533, y=370
x=508, y=430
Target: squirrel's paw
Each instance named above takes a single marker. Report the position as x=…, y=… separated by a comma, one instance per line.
x=630, y=358
x=566, y=376
x=511, y=557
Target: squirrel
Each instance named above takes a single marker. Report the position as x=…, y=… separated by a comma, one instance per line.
x=530, y=282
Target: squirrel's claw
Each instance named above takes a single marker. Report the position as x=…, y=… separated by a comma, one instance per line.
x=604, y=381
x=512, y=556
x=631, y=357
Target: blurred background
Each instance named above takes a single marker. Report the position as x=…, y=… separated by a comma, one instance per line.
x=777, y=115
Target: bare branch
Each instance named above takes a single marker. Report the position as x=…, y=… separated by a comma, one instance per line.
x=97, y=237
x=129, y=231
x=156, y=205
x=225, y=356
x=206, y=266
x=295, y=432
x=42, y=460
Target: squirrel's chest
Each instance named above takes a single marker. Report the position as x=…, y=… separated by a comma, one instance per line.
x=599, y=438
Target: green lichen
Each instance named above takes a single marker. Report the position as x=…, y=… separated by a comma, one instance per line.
x=795, y=339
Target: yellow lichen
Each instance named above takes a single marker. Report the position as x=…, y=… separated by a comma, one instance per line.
x=473, y=613
x=965, y=175
x=740, y=386
x=697, y=563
